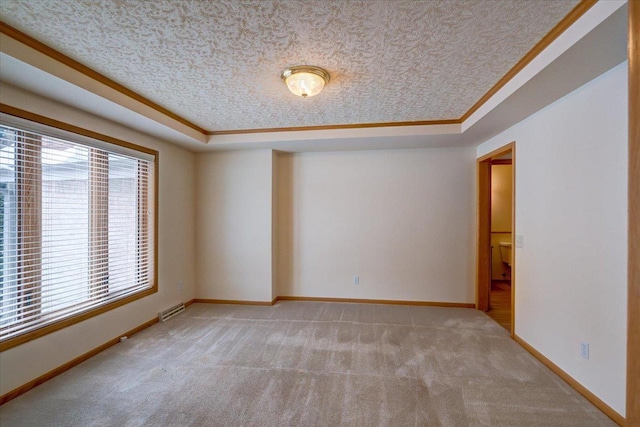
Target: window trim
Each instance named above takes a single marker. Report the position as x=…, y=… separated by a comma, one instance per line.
x=52, y=123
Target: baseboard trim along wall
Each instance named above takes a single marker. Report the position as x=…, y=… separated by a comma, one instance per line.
x=378, y=301
x=595, y=400
x=232, y=301
x=326, y=299
x=78, y=360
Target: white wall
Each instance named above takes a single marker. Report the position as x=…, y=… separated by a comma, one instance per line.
x=571, y=208
x=234, y=225
x=401, y=220
x=176, y=252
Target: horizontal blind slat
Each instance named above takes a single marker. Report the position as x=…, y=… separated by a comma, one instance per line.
x=71, y=236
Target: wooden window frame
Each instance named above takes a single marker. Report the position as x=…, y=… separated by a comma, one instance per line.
x=97, y=227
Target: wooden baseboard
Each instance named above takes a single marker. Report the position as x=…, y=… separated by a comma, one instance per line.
x=60, y=369
x=378, y=301
x=324, y=299
x=231, y=301
x=597, y=402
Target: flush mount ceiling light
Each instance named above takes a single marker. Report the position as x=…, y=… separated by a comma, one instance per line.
x=305, y=80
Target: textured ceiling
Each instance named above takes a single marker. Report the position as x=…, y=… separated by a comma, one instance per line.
x=218, y=63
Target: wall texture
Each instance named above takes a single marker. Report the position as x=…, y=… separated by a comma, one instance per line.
x=234, y=242
x=401, y=220
x=571, y=208
x=176, y=252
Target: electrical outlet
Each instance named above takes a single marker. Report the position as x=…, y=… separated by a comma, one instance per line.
x=584, y=350
x=356, y=280
x=519, y=241
x=180, y=285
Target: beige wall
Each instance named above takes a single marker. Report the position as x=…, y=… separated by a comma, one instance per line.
x=571, y=209
x=176, y=253
x=272, y=224
x=275, y=203
x=401, y=220
x=501, y=207
x=234, y=225
x=283, y=219
x=501, y=188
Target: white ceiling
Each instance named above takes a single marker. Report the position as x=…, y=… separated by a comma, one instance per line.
x=217, y=64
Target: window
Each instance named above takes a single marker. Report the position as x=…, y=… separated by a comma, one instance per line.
x=77, y=229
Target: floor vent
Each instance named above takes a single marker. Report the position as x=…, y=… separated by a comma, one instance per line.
x=163, y=316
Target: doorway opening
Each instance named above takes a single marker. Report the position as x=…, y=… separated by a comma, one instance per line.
x=495, y=290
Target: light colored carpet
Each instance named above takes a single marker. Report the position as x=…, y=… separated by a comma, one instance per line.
x=310, y=364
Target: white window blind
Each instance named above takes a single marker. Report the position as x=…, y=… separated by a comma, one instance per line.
x=76, y=228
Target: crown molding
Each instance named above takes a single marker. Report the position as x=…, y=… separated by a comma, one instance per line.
x=555, y=32
x=549, y=38
x=333, y=127
x=72, y=63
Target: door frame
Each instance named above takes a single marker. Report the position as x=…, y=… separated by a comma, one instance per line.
x=483, y=249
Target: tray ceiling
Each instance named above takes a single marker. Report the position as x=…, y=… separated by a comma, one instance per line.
x=218, y=64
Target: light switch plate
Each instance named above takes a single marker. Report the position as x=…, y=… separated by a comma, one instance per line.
x=519, y=241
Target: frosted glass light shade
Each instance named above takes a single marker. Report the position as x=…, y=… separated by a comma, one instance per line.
x=305, y=80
